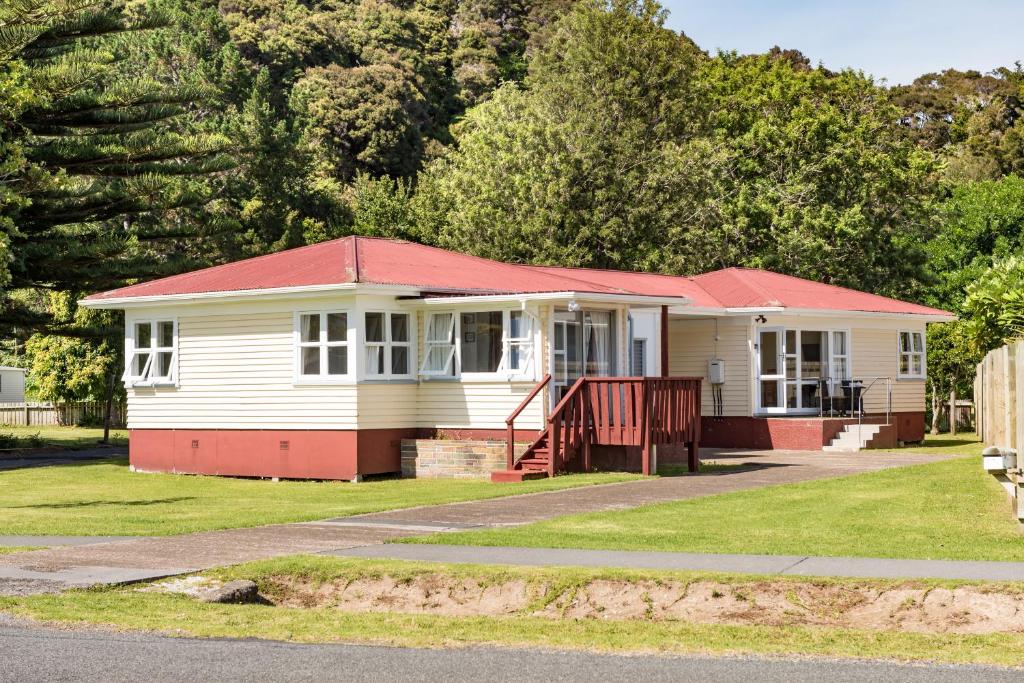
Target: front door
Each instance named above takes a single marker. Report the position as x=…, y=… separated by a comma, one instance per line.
x=771, y=375
x=584, y=344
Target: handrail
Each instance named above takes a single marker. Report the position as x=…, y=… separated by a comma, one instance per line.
x=864, y=390
x=510, y=430
x=565, y=399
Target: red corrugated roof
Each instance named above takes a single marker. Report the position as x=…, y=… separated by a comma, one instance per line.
x=751, y=288
x=394, y=262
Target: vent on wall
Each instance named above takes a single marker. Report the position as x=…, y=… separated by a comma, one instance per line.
x=195, y=443
x=638, y=358
x=284, y=445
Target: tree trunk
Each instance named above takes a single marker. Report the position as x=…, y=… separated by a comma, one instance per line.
x=952, y=411
x=936, y=409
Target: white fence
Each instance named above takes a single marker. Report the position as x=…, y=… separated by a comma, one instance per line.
x=54, y=414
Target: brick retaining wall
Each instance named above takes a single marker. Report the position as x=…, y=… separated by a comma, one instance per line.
x=451, y=459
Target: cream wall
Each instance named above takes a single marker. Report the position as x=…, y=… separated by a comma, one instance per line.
x=692, y=343
x=236, y=370
x=874, y=352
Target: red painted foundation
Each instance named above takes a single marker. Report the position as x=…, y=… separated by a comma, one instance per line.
x=794, y=433
x=288, y=454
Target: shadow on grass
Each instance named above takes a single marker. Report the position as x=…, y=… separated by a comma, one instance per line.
x=100, y=503
x=59, y=460
x=716, y=468
x=949, y=442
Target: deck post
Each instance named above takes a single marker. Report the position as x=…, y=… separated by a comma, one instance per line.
x=585, y=428
x=645, y=430
x=664, y=341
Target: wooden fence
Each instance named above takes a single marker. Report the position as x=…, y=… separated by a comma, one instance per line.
x=85, y=413
x=998, y=386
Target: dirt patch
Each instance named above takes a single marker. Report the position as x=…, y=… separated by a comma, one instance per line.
x=909, y=607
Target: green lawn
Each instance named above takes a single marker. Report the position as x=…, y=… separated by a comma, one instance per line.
x=129, y=609
x=63, y=437
x=943, y=510
x=104, y=497
x=944, y=444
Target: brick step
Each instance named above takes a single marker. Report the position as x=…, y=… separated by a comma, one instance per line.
x=513, y=476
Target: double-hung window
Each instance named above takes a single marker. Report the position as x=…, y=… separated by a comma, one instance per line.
x=388, y=345
x=152, y=353
x=479, y=343
x=911, y=361
x=322, y=345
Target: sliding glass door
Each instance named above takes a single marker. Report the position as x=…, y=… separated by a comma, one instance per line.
x=795, y=368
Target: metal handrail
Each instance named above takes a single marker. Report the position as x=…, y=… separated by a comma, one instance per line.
x=863, y=385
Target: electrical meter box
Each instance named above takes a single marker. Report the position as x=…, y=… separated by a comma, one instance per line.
x=716, y=371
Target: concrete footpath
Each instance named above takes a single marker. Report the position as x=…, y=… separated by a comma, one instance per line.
x=120, y=561
x=787, y=565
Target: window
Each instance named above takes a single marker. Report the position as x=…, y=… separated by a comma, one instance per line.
x=322, y=345
x=840, y=361
x=152, y=353
x=387, y=345
x=518, y=350
x=478, y=342
x=638, y=359
x=911, y=354
x=439, y=345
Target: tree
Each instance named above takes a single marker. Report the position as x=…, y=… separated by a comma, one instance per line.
x=110, y=154
x=953, y=356
x=995, y=304
x=625, y=147
x=980, y=222
x=562, y=169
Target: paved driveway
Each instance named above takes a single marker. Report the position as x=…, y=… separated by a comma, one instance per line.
x=133, y=560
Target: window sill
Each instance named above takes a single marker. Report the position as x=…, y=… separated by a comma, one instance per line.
x=389, y=380
x=911, y=378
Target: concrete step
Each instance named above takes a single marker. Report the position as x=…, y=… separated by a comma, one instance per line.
x=853, y=438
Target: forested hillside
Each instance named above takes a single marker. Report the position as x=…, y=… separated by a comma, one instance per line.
x=141, y=138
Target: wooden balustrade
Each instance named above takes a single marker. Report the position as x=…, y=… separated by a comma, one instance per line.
x=510, y=422
x=623, y=411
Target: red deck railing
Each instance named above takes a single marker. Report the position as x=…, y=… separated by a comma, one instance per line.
x=618, y=411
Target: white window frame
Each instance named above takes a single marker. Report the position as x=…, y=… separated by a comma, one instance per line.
x=900, y=353
x=453, y=368
x=146, y=378
x=323, y=345
x=642, y=370
x=450, y=366
x=388, y=344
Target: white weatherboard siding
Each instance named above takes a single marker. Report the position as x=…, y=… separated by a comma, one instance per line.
x=691, y=344
x=447, y=404
x=236, y=371
x=874, y=348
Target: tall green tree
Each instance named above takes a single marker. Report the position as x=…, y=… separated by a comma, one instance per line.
x=110, y=154
x=979, y=223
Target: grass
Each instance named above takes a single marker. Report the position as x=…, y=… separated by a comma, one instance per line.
x=74, y=438
x=8, y=549
x=103, y=497
x=948, y=509
x=944, y=444
x=127, y=609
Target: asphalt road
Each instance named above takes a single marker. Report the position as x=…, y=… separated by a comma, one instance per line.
x=30, y=653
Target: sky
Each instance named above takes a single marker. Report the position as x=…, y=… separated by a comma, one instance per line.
x=897, y=40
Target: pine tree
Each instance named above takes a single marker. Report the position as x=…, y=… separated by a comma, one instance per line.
x=113, y=162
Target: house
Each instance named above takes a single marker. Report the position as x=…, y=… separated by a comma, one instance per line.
x=319, y=361
x=12, y=384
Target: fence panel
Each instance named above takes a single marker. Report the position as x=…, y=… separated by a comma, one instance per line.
x=84, y=413
x=998, y=385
